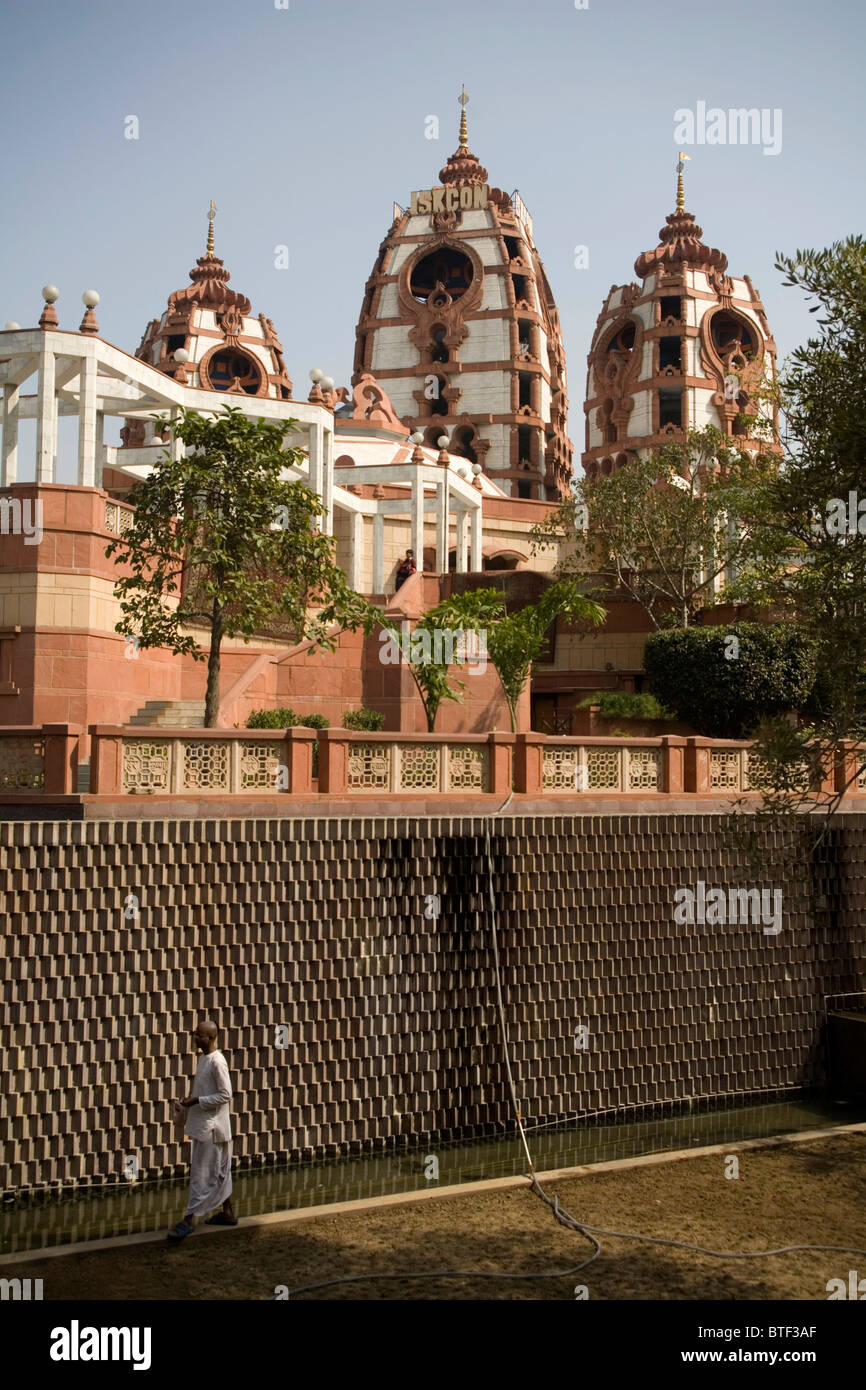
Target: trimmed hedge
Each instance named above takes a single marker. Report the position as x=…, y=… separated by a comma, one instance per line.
x=285, y=719
x=727, y=696
x=364, y=720
x=619, y=704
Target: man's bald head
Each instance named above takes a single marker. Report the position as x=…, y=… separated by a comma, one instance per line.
x=205, y=1035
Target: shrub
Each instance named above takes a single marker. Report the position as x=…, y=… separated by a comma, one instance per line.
x=618, y=704
x=366, y=720
x=725, y=691
x=272, y=719
x=286, y=719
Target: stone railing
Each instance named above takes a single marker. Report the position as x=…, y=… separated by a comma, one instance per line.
x=665, y=764
x=381, y=764
x=41, y=759
x=192, y=763
x=187, y=762
x=118, y=518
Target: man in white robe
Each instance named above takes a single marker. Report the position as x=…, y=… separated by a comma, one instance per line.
x=209, y=1126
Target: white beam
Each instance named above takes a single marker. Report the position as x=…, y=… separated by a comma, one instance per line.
x=418, y=521
x=462, y=542
x=328, y=479
x=87, y=424
x=100, y=448
x=475, y=562
x=378, y=553
x=9, y=453
x=442, y=525
x=46, y=421
x=356, y=546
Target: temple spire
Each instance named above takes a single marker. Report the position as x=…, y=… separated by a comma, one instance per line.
x=464, y=127
x=210, y=217
x=681, y=197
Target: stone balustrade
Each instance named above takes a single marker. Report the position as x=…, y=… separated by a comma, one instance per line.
x=195, y=763
x=41, y=758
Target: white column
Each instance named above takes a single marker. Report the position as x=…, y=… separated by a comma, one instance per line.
x=442, y=499
x=9, y=455
x=328, y=480
x=176, y=446
x=87, y=422
x=46, y=420
x=99, y=448
x=418, y=521
x=316, y=455
x=475, y=548
x=462, y=542
x=378, y=553
x=356, y=548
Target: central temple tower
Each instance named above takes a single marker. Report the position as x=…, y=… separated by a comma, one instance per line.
x=460, y=327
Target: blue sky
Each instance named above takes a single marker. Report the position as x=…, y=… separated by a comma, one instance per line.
x=305, y=124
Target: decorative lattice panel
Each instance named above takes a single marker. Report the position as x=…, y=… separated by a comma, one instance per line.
x=419, y=767
x=561, y=769
x=725, y=770
x=22, y=763
x=644, y=769
x=145, y=766
x=259, y=765
x=467, y=767
x=117, y=519
x=369, y=766
x=205, y=766
x=603, y=769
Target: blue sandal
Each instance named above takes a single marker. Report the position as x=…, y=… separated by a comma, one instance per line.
x=180, y=1231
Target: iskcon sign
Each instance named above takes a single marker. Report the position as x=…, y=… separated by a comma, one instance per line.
x=450, y=199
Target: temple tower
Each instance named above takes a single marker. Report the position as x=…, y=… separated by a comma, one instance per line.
x=460, y=327
x=687, y=347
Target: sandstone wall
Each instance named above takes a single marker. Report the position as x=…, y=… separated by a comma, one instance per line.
x=391, y=1028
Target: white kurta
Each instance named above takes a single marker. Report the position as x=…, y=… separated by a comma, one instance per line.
x=209, y=1126
x=212, y=1089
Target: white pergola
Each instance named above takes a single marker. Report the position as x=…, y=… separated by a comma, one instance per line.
x=80, y=375
x=429, y=486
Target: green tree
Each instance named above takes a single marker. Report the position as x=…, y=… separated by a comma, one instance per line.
x=430, y=649
x=806, y=551
x=515, y=641
x=220, y=540
x=662, y=528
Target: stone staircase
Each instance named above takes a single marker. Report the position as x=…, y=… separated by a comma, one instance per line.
x=176, y=714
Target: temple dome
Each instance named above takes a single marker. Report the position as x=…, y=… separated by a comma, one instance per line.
x=222, y=345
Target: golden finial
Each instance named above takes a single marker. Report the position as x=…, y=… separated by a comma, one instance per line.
x=464, y=129
x=681, y=197
x=210, y=217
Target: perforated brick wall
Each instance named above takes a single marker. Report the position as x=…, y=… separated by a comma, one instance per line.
x=329, y=928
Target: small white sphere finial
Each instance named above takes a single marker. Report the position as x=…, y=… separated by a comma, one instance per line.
x=327, y=383
x=180, y=355
x=50, y=293
x=90, y=299
x=416, y=438
x=316, y=375
x=11, y=326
